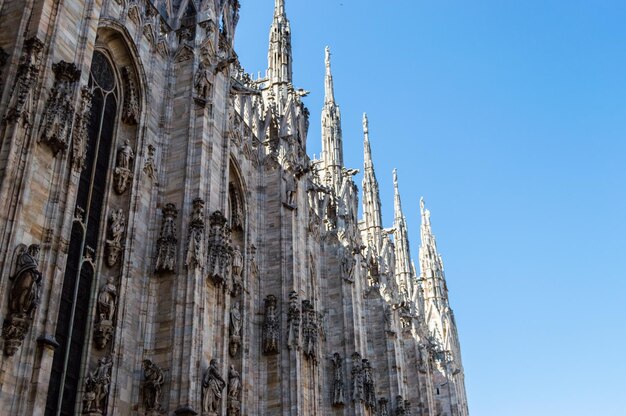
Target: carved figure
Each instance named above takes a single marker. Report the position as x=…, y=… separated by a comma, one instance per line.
x=81, y=133
x=195, y=240
x=105, y=311
x=97, y=388
x=368, y=385
x=357, y=378
x=23, y=297
x=130, y=113
x=149, y=167
x=347, y=267
x=123, y=173
x=235, y=329
x=383, y=410
x=270, y=326
x=117, y=225
x=309, y=330
x=424, y=358
x=234, y=392
x=400, y=410
x=166, y=245
x=212, y=386
x=154, y=379
x=220, y=249
x=237, y=269
x=291, y=187
x=338, y=399
x=293, y=320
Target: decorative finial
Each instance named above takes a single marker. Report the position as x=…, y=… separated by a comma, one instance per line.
x=395, y=178
x=422, y=204
x=365, y=124
x=327, y=57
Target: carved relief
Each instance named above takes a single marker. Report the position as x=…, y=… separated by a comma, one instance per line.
x=24, y=295
x=27, y=73
x=105, y=311
x=81, y=133
x=123, y=168
x=56, y=123
x=117, y=225
x=195, y=239
x=220, y=249
x=235, y=330
x=237, y=271
x=97, y=388
x=293, y=320
x=149, y=166
x=271, y=327
x=368, y=385
x=234, y=392
x=400, y=409
x=154, y=378
x=212, y=386
x=357, y=378
x=338, y=399
x=130, y=109
x=309, y=330
x=166, y=245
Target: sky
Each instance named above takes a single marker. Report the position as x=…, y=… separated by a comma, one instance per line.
x=508, y=117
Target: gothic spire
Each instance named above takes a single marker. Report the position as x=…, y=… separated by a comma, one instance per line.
x=431, y=264
x=401, y=238
x=371, y=197
x=279, y=54
x=332, y=147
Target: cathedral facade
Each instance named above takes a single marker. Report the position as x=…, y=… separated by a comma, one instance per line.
x=167, y=246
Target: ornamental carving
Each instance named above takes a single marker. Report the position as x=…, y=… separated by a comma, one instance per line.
x=27, y=74
x=114, y=246
x=97, y=388
x=56, y=123
x=271, y=326
x=357, y=378
x=220, y=249
x=24, y=292
x=154, y=377
x=166, y=245
x=338, y=399
x=130, y=109
x=195, y=239
x=234, y=392
x=368, y=385
x=123, y=174
x=293, y=322
x=212, y=386
x=309, y=330
x=235, y=329
x=105, y=311
x=81, y=133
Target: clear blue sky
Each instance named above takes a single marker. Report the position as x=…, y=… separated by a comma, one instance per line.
x=509, y=117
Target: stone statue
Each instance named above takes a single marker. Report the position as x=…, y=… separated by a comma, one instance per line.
x=291, y=187
x=212, y=386
x=368, y=385
x=123, y=173
x=357, y=378
x=234, y=392
x=149, y=166
x=424, y=358
x=237, y=269
x=270, y=327
x=105, y=311
x=220, y=249
x=195, y=240
x=309, y=330
x=166, y=245
x=24, y=295
x=293, y=319
x=383, y=410
x=153, y=383
x=400, y=410
x=97, y=388
x=117, y=225
x=338, y=399
x=347, y=267
x=235, y=329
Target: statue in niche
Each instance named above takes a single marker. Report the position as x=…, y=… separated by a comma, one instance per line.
x=293, y=320
x=123, y=173
x=166, y=245
x=212, y=386
x=254, y=268
x=338, y=399
x=149, y=166
x=97, y=388
x=407, y=408
x=117, y=225
x=424, y=358
x=400, y=409
x=368, y=385
x=347, y=267
x=291, y=187
x=105, y=311
x=383, y=410
x=220, y=250
x=270, y=326
x=24, y=295
x=235, y=329
x=195, y=240
x=153, y=383
x=309, y=330
x=237, y=269
x=234, y=392
x=357, y=378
